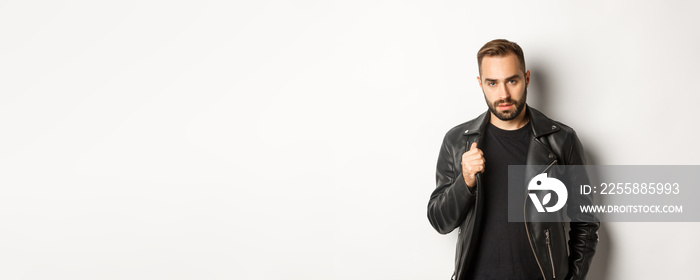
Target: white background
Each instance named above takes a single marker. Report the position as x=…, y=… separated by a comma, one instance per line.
x=298, y=139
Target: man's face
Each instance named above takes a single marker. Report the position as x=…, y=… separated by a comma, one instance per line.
x=504, y=85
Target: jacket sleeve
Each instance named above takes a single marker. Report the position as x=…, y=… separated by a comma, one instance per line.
x=451, y=198
x=583, y=236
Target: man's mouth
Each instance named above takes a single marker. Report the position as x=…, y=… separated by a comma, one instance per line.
x=505, y=106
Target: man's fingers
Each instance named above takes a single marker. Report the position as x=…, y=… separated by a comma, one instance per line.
x=478, y=161
x=472, y=153
x=473, y=161
x=475, y=169
x=472, y=156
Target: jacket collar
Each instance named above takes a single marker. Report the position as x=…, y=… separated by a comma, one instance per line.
x=541, y=124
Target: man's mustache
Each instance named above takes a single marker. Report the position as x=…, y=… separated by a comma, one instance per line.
x=505, y=101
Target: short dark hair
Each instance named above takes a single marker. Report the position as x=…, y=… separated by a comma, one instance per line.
x=501, y=47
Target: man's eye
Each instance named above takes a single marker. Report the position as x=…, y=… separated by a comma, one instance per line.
x=492, y=83
x=512, y=81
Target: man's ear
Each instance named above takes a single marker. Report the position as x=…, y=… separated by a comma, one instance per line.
x=478, y=79
x=527, y=78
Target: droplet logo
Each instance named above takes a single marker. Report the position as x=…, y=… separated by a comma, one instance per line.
x=543, y=183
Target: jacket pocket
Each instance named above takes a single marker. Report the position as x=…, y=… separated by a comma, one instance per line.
x=458, y=253
x=549, y=250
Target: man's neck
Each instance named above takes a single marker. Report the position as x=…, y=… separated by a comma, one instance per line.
x=517, y=123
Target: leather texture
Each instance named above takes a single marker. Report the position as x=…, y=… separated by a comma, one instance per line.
x=452, y=205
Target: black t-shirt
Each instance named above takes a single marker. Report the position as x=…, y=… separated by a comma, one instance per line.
x=503, y=250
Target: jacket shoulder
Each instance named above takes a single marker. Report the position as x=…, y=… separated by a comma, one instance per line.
x=564, y=128
x=544, y=121
x=566, y=145
x=460, y=129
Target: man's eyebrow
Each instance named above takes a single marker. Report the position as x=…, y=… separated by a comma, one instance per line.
x=514, y=77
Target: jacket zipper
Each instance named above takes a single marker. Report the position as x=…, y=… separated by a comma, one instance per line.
x=460, y=243
x=527, y=231
x=549, y=247
x=545, y=169
x=460, y=247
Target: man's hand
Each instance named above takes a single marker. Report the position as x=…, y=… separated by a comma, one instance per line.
x=472, y=162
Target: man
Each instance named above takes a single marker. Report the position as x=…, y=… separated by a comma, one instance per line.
x=472, y=184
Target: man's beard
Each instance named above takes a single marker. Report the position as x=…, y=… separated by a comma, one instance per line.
x=509, y=115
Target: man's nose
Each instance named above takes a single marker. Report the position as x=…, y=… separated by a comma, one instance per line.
x=503, y=92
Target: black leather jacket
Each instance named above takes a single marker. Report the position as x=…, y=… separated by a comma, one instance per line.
x=453, y=205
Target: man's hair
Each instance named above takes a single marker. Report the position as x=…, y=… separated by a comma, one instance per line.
x=501, y=47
